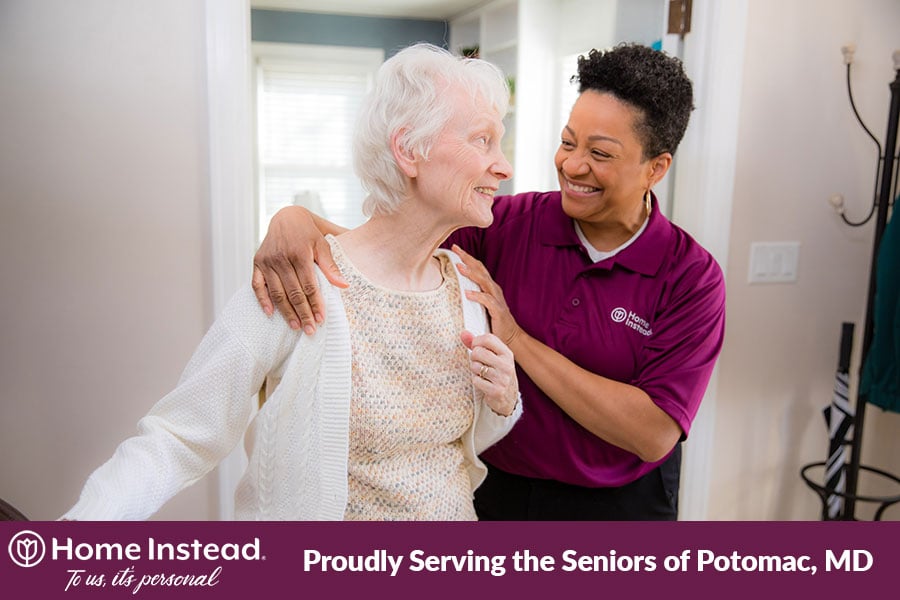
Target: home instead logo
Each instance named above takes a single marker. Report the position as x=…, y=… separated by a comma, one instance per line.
x=641, y=325
x=84, y=561
x=27, y=548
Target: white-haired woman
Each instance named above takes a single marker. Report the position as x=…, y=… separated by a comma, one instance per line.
x=382, y=413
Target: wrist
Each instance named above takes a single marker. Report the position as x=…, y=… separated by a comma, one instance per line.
x=512, y=400
x=511, y=412
x=513, y=337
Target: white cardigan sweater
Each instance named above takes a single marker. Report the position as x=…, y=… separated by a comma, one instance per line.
x=297, y=443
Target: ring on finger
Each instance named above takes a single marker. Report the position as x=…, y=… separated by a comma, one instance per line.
x=483, y=372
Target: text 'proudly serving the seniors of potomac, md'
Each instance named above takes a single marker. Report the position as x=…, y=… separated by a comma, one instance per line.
x=525, y=561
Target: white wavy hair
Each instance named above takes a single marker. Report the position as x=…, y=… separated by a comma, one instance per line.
x=410, y=94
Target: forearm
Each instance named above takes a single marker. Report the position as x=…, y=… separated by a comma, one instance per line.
x=142, y=475
x=618, y=413
x=192, y=428
x=324, y=225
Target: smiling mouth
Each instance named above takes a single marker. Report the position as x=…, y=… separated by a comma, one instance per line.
x=581, y=189
x=486, y=190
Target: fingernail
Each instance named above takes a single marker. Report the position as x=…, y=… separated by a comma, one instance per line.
x=268, y=311
x=319, y=319
x=295, y=325
x=309, y=330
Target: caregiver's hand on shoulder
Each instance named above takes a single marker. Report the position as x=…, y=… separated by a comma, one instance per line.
x=283, y=272
x=491, y=297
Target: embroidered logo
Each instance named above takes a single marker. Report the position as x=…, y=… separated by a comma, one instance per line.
x=639, y=324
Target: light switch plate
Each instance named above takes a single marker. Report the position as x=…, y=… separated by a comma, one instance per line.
x=774, y=262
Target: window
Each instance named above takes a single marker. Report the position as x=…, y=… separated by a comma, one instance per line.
x=307, y=98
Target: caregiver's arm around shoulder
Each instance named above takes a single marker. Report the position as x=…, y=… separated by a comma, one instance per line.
x=287, y=284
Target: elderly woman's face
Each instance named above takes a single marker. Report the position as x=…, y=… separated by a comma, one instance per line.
x=599, y=160
x=465, y=165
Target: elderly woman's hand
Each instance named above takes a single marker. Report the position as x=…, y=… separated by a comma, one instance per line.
x=493, y=371
x=503, y=325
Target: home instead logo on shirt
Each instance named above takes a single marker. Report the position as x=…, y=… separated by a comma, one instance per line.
x=630, y=319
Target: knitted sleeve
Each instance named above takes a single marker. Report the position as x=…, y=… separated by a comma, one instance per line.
x=197, y=424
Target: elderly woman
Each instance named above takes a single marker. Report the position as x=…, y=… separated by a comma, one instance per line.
x=615, y=315
x=382, y=413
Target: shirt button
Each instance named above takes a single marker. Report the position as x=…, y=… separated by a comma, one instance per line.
x=575, y=301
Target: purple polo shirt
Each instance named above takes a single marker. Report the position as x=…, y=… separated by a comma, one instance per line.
x=652, y=316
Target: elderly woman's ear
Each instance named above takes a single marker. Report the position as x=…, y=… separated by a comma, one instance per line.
x=405, y=157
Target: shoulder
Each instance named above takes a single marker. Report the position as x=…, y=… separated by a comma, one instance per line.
x=691, y=255
x=524, y=205
x=464, y=282
x=523, y=219
x=263, y=335
x=517, y=219
x=474, y=314
x=690, y=270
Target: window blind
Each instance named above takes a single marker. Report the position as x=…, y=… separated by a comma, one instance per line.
x=306, y=111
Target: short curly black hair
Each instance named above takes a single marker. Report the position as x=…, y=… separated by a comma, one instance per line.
x=649, y=80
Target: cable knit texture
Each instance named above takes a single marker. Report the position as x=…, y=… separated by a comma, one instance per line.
x=297, y=443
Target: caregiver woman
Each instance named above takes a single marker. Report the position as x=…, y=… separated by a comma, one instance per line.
x=615, y=315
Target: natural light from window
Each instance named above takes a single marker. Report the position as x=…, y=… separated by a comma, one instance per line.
x=307, y=99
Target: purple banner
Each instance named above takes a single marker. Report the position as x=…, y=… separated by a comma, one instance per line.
x=445, y=560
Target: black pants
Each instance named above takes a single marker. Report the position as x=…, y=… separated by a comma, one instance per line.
x=653, y=497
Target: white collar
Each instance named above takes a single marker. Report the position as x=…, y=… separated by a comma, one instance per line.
x=598, y=255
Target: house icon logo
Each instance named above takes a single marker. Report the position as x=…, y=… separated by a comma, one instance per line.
x=27, y=548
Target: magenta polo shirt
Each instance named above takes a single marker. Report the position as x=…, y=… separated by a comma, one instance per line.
x=652, y=316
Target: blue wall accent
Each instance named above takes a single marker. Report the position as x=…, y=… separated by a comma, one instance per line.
x=345, y=30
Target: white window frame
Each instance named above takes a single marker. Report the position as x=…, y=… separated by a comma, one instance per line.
x=328, y=59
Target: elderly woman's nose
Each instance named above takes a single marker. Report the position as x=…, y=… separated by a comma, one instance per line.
x=502, y=169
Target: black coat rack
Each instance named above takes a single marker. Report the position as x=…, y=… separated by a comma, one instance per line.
x=885, y=192
x=888, y=160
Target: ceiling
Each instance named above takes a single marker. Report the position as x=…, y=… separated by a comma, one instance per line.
x=411, y=9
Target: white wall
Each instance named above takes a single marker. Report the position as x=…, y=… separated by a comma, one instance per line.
x=799, y=143
x=104, y=225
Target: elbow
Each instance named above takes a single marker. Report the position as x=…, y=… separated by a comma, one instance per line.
x=654, y=452
x=658, y=447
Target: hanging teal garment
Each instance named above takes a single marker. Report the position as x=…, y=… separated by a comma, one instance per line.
x=881, y=371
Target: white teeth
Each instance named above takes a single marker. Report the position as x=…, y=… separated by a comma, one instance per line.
x=581, y=188
x=484, y=190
